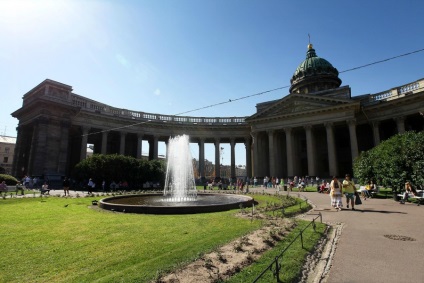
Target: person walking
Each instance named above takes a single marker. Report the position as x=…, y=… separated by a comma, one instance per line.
x=349, y=191
x=90, y=186
x=66, y=185
x=336, y=194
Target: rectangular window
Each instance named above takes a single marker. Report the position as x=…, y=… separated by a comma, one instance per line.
x=5, y=159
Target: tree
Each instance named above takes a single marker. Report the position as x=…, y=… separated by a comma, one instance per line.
x=117, y=168
x=393, y=162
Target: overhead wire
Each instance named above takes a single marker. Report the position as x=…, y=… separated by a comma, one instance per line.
x=258, y=94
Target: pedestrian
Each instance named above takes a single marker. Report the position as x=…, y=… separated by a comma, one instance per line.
x=66, y=184
x=90, y=186
x=3, y=188
x=336, y=194
x=112, y=186
x=349, y=191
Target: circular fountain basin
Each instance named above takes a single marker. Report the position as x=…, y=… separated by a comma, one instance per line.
x=154, y=204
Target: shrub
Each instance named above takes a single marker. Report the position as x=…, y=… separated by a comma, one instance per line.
x=393, y=162
x=10, y=180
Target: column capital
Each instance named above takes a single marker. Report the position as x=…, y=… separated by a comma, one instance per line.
x=375, y=123
x=328, y=125
x=270, y=132
x=85, y=130
x=288, y=129
x=308, y=127
x=399, y=118
x=351, y=122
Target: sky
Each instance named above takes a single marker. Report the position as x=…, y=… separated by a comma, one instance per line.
x=176, y=56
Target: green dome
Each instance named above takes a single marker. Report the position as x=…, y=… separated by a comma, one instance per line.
x=314, y=74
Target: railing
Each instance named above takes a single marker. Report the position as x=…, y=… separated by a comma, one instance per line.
x=394, y=93
x=275, y=265
x=101, y=108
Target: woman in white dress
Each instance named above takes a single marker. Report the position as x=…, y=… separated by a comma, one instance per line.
x=336, y=194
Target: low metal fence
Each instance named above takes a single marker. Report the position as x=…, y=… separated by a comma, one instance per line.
x=275, y=265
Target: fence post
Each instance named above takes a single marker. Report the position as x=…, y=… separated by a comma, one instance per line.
x=277, y=269
x=301, y=237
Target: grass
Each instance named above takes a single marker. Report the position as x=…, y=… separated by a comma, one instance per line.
x=292, y=260
x=64, y=240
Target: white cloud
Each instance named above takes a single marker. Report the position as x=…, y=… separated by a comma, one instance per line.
x=157, y=92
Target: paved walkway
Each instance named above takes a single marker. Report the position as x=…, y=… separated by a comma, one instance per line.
x=363, y=253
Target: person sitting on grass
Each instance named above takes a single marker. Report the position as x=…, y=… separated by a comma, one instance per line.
x=19, y=187
x=45, y=189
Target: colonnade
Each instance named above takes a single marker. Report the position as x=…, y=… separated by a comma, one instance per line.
x=154, y=145
x=312, y=149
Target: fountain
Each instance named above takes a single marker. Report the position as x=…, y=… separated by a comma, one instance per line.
x=179, y=182
x=180, y=195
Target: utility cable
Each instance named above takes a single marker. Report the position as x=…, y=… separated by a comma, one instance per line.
x=259, y=93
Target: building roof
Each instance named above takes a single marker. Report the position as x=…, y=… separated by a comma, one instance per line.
x=6, y=139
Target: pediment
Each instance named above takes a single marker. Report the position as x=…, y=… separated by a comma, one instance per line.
x=295, y=104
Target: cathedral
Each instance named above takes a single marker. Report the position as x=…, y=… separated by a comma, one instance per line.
x=318, y=129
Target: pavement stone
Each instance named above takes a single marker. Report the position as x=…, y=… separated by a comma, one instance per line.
x=364, y=253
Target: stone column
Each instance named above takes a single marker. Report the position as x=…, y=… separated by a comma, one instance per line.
x=400, y=123
x=248, y=146
x=376, y=132
x=255, y=153
x=217, y=163
x=122, y=143
x=84, y=140
x=41, y=143
x=104, y=142
x=271, y=153
x=290, y=155
x=202, y=158
x=155, y=146
x=233, y=159
x=353, y=139
x=62, y=164
x=310, y=148
x=139, y=145
x=332, y=160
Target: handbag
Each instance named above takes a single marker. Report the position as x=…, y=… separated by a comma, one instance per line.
x=357, y=199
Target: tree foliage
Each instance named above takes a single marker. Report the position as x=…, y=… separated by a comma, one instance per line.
x=10, y=180
x=393, y=162
x=118, y=168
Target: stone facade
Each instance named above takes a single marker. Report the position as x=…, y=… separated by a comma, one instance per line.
x=7, y=150
x=312, y=131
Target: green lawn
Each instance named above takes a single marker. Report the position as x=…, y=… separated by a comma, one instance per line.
x=64, y=240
